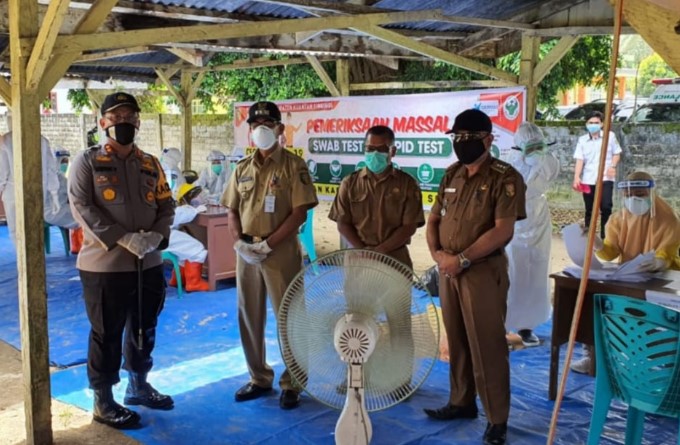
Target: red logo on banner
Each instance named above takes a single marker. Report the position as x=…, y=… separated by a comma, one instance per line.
x=510, y=112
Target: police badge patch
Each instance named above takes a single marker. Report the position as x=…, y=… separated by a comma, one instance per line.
x=509, y=189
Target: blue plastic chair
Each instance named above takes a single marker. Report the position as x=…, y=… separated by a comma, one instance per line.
x=306, y=237
x=169, y=256
x=64, y=236
x=637, y=346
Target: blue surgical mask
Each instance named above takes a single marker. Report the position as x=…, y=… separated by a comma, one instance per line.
x=376, y=161
x=63, y=167
x=216, y=168
x=593, y=128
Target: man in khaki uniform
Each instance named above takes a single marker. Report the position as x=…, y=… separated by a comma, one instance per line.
x=268, y=197
x=379, y=208
x=471, y=222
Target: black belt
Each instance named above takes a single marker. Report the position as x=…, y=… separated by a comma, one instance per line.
x=250, y=239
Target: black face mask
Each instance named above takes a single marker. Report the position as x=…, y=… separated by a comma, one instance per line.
x=123, y=133
x=469, y=151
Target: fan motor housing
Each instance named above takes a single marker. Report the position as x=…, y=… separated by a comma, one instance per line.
x=355, y=337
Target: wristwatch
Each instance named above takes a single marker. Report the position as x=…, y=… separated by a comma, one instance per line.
x=464, y=262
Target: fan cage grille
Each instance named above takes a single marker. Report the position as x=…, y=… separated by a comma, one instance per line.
x=379, y=287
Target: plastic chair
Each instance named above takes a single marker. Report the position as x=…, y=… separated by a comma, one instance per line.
x=306, y=238
x=64, y=236
x=169, y=256
x=637, y=347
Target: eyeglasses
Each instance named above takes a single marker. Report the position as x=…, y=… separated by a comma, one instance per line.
x=379, y=148
x=131, y=118
x=471, y=136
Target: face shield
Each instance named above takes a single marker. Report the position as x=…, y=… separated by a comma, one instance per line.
x=171, y=158
x=637, y=197
x=217, y=161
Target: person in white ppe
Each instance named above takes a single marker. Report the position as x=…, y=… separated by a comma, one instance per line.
x=529, y=251
x=215, y=177
x=644, y=223
x=191, y=253
x=171, y=158
x=52, y=206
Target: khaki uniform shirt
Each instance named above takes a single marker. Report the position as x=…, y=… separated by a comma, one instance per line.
x=470, y=206
x=265, y=192
x=110, y=197
x=378, y=206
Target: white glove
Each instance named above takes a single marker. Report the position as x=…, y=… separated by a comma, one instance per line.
x=55, y=203
x=247, y=252
x=139, y=244
x=598, y=244
x=655, y=265
x=201, y=209
x=262, y=247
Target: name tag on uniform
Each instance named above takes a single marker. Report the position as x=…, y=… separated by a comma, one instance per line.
x=449, y=190
x=269, y=203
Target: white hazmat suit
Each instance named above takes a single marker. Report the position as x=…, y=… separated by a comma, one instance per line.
x=215, y=177
x=55, y=212
x=529, y=250
x=171, y=158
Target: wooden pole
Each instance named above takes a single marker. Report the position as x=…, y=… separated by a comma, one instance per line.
x=23, y=16
x=618, y=15
x=530, y=47
x=342, y=76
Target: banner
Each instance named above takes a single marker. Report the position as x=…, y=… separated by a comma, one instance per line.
x=329, y=133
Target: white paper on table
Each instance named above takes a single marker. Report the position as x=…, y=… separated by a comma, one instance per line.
x=629, y=271
x=575, y=241
x=665, y=299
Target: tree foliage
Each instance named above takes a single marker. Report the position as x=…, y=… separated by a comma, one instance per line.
x=652, y=67
x=587, y=63
x=79, y=100
x=221, y=88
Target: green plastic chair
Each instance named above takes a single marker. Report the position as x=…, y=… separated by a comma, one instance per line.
x=169, y=256
x=637, y=347
x=64, y=235
x=306, y=238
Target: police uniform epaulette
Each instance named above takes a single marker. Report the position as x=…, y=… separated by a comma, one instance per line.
x=499, y=166
x=243, y=159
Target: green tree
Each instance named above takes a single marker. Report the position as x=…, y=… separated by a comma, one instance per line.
x=587, y=63
x=79, y=100
x=652, y=67
x=222, y=88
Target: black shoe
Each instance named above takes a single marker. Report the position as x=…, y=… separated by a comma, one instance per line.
x=495, y=434
x=110, y=413
x=289, y=399
x=250, y=391
x=529, y=339
x=451, y=412
x=140, y=392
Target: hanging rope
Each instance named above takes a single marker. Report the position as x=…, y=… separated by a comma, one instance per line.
x=618, y=15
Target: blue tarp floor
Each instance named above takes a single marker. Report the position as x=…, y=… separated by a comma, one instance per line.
x=199, y=361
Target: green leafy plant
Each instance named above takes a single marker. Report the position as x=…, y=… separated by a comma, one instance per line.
x=79, y=100
x=652, y=67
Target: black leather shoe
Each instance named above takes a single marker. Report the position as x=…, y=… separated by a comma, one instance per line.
x=250, y=391
x=495, y=434
x=289, y=399
x=140, y=392
x=110, y=413
x=451, y=412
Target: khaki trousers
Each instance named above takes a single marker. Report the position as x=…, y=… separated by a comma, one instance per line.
x=473, y=309
x=253, y=283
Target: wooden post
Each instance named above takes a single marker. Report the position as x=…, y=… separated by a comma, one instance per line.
x=159, y=131
x=342, y=76
x=185, y=83
x=530, y=47
x=23, y=19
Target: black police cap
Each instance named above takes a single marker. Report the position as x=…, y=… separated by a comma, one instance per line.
x=471, y=120
x=264, y=110
x=115, y=100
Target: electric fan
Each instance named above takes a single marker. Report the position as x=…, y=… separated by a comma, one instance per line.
x=359, y=333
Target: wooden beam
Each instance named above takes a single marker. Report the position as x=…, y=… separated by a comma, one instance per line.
x=47, y=35
x=435, y=53
x=245, y=65
x=486, y=23
x=185, y=83
x=193, y=56
x=171, y=88
x=126, y=39
x=389, y=62
x=103, y=55
x=88, y=24
x=532, y=14
x=129, y=64
x=527, y=64
x=195, y=86
x=579, y=31
x=342, y=76
x=323, y=75
x=31, y=284
x=553, y=57
x=435, y=84
x=6, y=91
x=322, y=5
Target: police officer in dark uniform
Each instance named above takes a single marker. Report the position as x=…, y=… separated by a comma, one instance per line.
x=120, y=197
x=471, y=222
